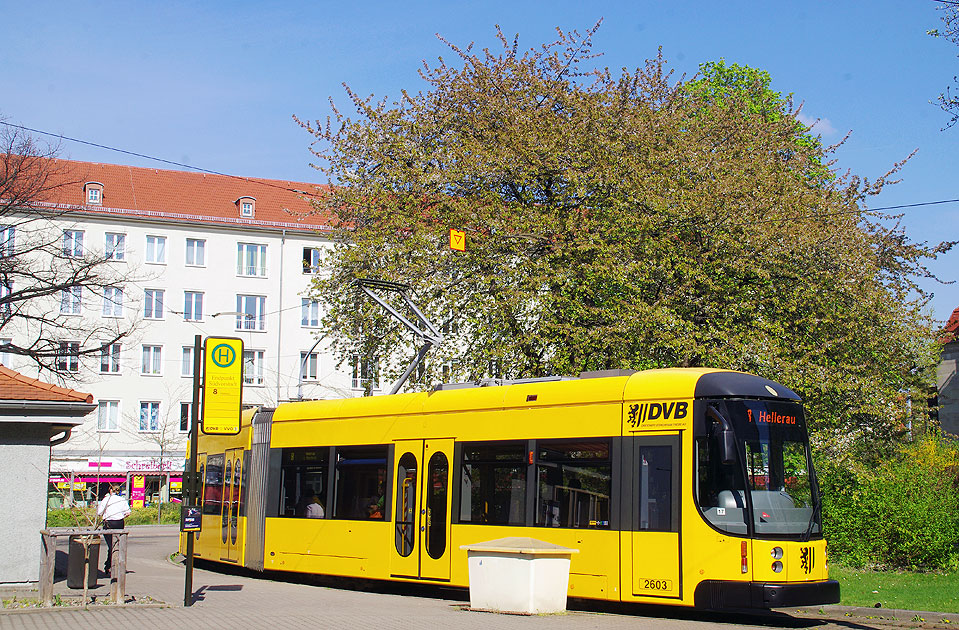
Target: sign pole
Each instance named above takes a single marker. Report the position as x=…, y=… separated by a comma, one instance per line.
x=192, y=481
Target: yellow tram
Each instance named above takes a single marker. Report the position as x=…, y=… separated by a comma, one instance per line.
x=692, y=487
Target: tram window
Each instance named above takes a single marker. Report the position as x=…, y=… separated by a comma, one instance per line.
x=493, y=483
x=202, y=492
x=303, y=476
x=406, y=504
x=361, y=483
x=656, y=489
x=720, y=490
x=436, y=491
x=213, y=488
x=573, y=483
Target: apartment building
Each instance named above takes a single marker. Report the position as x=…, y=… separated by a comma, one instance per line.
x=211, y=255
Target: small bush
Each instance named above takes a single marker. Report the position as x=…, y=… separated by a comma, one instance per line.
x=71, y=517
x=903, y=514
x=68, y=517
x=170, y=514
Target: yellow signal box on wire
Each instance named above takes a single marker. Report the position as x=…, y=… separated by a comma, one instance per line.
x=457, y=240
x=222, y=385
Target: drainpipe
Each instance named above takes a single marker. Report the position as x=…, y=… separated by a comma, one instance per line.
x=56, y=441
x=279, y=326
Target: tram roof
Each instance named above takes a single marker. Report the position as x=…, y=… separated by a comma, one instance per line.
x=662, y=384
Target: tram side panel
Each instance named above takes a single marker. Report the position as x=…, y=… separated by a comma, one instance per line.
x=351, y=539
x=595, y=570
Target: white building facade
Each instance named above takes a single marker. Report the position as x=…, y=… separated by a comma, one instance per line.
x=212, y=256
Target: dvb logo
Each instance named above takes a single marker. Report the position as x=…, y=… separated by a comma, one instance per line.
x=640, y=413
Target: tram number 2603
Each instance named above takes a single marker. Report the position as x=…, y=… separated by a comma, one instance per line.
x=655, y=585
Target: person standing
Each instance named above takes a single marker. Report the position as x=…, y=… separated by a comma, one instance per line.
x=113, y=508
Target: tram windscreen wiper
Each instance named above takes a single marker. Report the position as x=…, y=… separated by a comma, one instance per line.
x=816, y=507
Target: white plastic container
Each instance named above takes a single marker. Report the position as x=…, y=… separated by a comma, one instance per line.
x=518, y=575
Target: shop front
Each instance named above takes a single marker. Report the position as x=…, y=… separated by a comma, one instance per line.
x=144, y=481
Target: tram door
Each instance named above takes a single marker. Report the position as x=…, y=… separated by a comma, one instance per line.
x=655, y=499
x=421, y=493
x=230, y=504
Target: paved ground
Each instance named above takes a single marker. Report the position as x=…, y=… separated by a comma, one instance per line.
x=242, y=600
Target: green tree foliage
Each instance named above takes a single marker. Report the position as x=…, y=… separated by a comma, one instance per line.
x=621, y=220
x=948, y=100
x=902, y=514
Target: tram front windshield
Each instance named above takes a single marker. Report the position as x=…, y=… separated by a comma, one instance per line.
x=765, y=481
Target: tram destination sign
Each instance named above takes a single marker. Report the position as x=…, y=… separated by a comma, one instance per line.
x=222, y=385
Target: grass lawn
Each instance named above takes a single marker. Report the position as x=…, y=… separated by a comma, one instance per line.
x=938, y=592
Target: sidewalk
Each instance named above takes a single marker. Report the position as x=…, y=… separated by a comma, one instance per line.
x=242, y=600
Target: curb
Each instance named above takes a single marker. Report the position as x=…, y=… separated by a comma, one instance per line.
x=898, y=614
x=91, y=608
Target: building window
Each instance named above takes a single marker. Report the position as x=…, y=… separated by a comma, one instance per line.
x=112, y=302
x=192, y=306
x=186, y=414
x=94, y=192
x=186, y=362
x=110, y=359
x=114, y=246
x=7, y=241
x=6, y=307
x=451, y=325
x=4, y=352
x=309, y=364
x=73, y=243
x=253, y=367
x=152, y=363
x=70, y=299
x=68, y=357
x=150, y=416
x=449, y=371
x=310, y=313
x=246, y=206
x=250, y=260
x=196, y=252
x=311, y=260
x=365, y=372
x=153, y=304
x=253, y=309
x=108, y=415
x=156, y=249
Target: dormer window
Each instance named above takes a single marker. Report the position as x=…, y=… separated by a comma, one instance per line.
x=247, y=206
x=93, y=193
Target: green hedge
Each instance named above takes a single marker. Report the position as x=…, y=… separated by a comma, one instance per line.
x=69, y=517
x=901, y=514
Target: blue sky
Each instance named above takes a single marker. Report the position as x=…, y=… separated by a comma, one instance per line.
x=214, y=84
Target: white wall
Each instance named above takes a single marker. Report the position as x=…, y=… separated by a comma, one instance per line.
x=281, y=343
x=24, y=469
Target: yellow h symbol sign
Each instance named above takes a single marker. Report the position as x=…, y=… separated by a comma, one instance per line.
x=223, y=355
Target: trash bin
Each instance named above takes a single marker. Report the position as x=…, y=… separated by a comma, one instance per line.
x=518, y=575
x=75, y=561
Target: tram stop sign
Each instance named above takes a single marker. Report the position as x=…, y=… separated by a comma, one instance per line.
x=222, y=385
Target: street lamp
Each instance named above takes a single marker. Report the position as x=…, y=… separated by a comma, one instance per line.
x=306, y=357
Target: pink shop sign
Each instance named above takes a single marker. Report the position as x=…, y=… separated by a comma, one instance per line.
x=153, y=465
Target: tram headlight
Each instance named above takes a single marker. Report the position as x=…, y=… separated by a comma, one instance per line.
x=777, y=566
x=777, y=553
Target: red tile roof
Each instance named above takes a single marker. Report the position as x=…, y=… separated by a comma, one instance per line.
x=16, y=386
x=185, y=196
x=951, y=331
